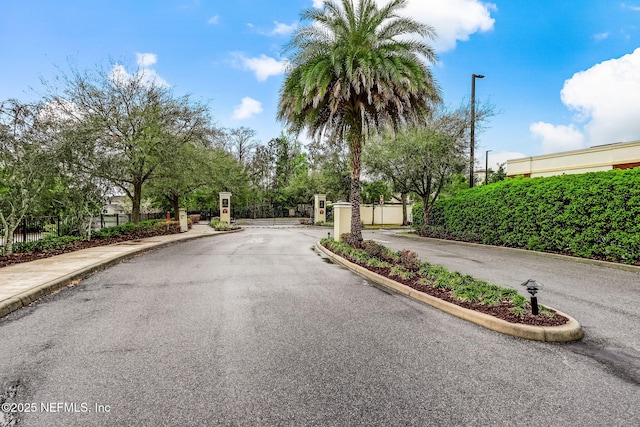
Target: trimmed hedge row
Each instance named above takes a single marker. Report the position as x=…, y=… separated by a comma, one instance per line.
x=593, y=215
x=130, y=230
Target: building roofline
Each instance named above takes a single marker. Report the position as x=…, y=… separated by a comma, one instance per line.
x=592, y=149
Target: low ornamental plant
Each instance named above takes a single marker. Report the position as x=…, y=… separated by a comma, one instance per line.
x=405, y=267
x=222, y=226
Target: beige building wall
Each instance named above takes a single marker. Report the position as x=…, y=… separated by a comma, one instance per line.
x=391, y=214
x=595, y=159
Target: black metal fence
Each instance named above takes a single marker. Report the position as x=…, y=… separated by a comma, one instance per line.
x=272, y=211
x=35, y=228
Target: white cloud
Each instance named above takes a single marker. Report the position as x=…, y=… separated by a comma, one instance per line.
x=606, y=98
x=601, y=36
x=557, y=138
x=263, y=66
x=248, y=108
x=453, y=20
x=147, y=75
x=631, y=7
x=145, y=60
x=281, y=29
x=213, y=20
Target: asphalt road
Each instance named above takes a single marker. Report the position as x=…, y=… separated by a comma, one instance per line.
x=606, y=301
x=256, y=328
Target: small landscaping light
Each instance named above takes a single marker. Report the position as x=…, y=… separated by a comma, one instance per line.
x=533, y=287
x=328, y=235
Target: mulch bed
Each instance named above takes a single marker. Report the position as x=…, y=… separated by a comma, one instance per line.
x=501, y=311
x=19, y=257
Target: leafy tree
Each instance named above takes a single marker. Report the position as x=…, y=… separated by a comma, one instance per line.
x=225, y=174
x=427, y=158
x=354, y=70
x=78, y=196
x=241, y=142
x=329, y=164
x=496, y=176
x=27, y=163
x=371, y=191
x=122, y=127
x=179, y=176
x=459, y=182
x=280, y=173
x=382, y=160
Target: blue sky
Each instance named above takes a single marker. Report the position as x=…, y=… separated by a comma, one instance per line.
x=563, y=74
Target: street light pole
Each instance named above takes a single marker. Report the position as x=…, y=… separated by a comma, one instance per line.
x=486, y=167
x=473, y=125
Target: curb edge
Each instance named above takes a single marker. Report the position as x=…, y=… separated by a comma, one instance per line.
x=25, y=298
x=571, y=331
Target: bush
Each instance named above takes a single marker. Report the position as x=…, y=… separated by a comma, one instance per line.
x=129, y=230
x=222, y=226
x=143, y=228
x=592, y=215
x=46, y=244
x=463, y=287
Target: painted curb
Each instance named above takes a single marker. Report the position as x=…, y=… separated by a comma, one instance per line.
x=25, y=298
x=571, y=331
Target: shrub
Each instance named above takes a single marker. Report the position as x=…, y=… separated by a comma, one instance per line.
x=375, y=262
x=373, y=249
x=462, y=286
x=222, y=226
x=592, y=215
x=409, y=260
x=400, y=271
x=167, y=227
x=46, y=244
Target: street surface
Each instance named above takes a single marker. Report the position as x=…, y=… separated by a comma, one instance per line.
x=256, y=328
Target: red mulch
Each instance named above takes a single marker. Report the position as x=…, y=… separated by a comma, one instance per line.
x=17, y=258
x=501, y=311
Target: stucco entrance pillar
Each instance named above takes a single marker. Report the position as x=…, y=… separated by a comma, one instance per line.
x=225, y=207
x=341, y=219
x=320, y=208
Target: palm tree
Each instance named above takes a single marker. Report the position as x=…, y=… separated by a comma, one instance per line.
x=354, y=71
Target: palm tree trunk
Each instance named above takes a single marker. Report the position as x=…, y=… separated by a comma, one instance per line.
x=355, y=237
x=403, y=197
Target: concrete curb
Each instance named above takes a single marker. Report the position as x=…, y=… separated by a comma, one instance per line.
x=588, y=261
x=571, y=331
x=25, y=298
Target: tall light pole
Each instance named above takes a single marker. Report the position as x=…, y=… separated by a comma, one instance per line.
x=486, y=167
x=473, y=125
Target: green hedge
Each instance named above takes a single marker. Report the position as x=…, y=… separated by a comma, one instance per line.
x=593, y=215
x=47, y=243
x=140, y=230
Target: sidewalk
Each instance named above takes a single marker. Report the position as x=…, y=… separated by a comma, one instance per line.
x=21, y=284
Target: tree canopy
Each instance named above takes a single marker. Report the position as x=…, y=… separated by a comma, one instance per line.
x=353, y=71
x=121, y=128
